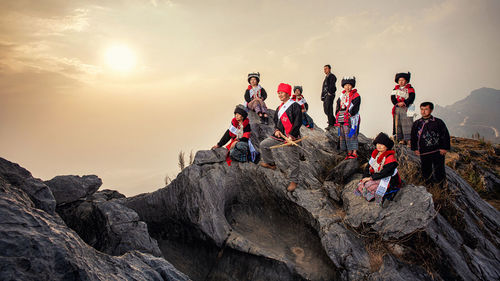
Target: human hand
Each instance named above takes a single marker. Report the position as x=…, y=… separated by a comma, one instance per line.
x=234, y=144
x=417, y=152
x=277, y=133
x=401, y=104
x=365, y=179
x=215, y=146
x=443, y=151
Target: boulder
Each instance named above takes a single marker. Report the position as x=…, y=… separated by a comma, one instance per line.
x=68, y=189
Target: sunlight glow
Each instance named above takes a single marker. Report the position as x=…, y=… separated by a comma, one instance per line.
x=120, y=58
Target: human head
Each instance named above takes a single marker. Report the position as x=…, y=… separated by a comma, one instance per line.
x=255, y=75
x=327, y=68
x=284, y=91
x=254, y=82
x=348, y=80
x=383, y=142
x=240, y=114
x=297, y=90
x=426, y=109
x=404, y=75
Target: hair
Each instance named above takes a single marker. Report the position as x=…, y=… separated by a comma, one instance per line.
x=329, y=66
x=427, y=103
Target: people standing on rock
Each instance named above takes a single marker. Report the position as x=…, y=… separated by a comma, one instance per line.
x=403, y=111
x=298, y=97
x=287, y=120
x=431, y=141
x=239, y=134
x=381, y=178
x=255, y=96
x=328, y=95
x=347, y=117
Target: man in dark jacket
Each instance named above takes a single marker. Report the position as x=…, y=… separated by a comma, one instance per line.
x=430, y=140
x=287, y=120
x=328, y=95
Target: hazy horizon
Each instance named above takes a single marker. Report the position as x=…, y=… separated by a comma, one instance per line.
x=118, y=89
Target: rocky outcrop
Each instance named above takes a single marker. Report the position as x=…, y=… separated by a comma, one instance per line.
x=68, y=189
x=37, y=245
x=36, y=189
x=220, y=222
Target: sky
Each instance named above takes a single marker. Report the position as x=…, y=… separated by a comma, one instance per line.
x=119, y=88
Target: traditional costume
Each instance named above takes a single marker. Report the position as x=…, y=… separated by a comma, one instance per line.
x=239, y=132
x=251, y=95
x=428, y=136
x=347, y=116
x=287, y=120
x=403, y=116
x=382, y=169
x=306, y=119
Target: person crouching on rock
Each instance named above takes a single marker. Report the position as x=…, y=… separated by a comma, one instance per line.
x=287, y=120
x=402, y=97
x=381, y=181
x=347, y=117
x=299, y=98
x=255, y=96
x=239, y=133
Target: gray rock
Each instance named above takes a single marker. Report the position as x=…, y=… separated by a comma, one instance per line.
x=210, y=156
x=333, y=190
x=108, y=226
x=39, y=193
x=344, y=170
x=35, y=246
x=413, y=210
x=68, y=189
x=215, y=222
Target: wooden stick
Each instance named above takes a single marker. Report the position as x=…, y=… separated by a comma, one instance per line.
x=288, y=143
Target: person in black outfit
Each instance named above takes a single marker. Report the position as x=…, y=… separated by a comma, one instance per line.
x=328, y=95
x=431, y=141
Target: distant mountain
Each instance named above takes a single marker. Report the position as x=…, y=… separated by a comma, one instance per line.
x=477, y=113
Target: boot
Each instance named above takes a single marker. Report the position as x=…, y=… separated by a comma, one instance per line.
x=268, y=166
x=262, y=119
x=292, y=186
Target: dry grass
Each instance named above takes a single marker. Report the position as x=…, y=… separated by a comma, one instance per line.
x=375, y=247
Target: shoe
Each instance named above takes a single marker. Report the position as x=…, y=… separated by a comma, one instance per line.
x=291, y=187
x=266, y=120
x=261, y=120
x=268, y=166
x=347, y=156
x=352, y=156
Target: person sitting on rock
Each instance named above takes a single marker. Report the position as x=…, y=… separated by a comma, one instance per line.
x=255, y=96
x=287, y=120
x=239, y=133
x=299, y=98
x=381, y=178
x=402, y=97
x=347, y=117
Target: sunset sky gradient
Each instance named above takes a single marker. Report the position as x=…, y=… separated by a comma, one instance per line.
x=65, y=110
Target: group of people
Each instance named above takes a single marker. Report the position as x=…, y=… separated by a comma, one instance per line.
x=427, y=136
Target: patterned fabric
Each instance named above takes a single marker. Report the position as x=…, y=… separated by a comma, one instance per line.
x=368, y=190
x=404, y=124
x=239, y=152
x=346, y=142
x=259, y=106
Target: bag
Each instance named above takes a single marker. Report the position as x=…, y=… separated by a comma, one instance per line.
x=239, y=152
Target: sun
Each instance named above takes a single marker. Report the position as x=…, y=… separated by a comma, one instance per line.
x=120, y=58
